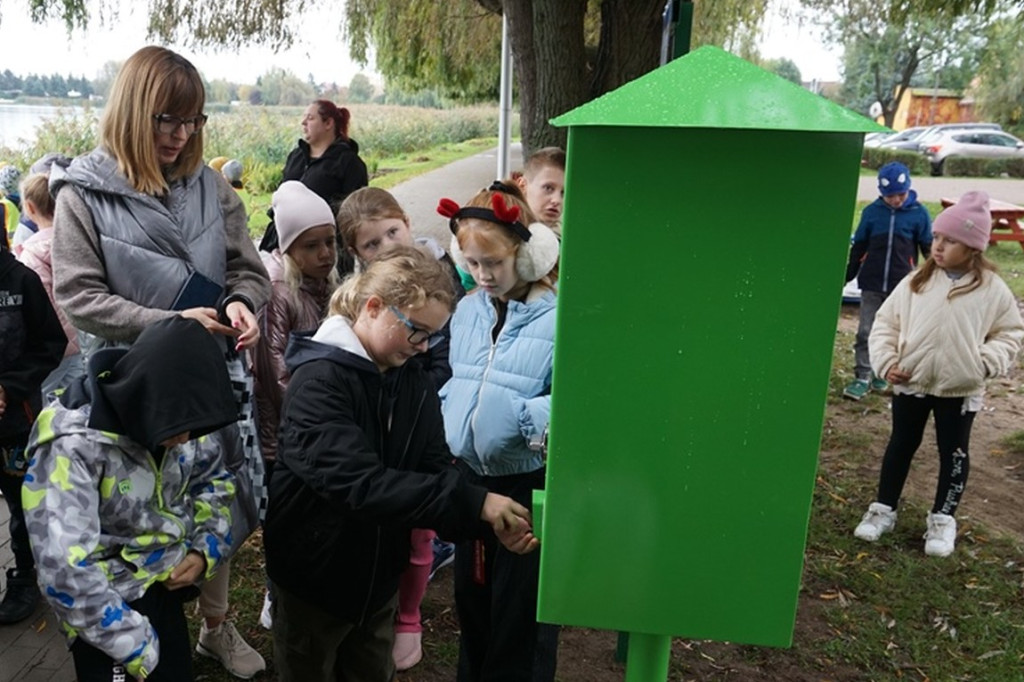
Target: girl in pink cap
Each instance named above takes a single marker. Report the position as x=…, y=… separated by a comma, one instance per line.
x=945, y=329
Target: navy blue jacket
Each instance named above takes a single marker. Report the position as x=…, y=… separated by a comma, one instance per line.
x=886, y=244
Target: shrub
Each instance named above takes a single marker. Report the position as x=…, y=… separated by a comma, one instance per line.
x=262, y=137
x=876, y=157
x=983, y=168
x=68, y=132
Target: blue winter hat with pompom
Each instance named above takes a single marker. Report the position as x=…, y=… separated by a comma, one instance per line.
x=893, y=178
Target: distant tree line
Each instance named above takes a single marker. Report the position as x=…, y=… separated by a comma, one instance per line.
x=35, y=85
x=275, y=87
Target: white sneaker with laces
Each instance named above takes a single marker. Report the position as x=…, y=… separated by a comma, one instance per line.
x=941, y=536
x=227, y=646
x=879, y=518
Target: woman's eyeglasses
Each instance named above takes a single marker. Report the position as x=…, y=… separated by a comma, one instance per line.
x=168, y=125
x=416, y=335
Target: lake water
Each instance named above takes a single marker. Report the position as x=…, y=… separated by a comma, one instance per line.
x=18, y=122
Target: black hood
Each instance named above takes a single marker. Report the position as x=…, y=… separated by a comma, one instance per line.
x=173, y=379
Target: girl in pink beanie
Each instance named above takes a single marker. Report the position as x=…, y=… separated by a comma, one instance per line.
x=946, y=329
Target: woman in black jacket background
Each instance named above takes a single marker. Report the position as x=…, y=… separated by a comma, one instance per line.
x=326, y=160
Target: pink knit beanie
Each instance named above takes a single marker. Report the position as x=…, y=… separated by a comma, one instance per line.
x=296, y=209
x=968, y=221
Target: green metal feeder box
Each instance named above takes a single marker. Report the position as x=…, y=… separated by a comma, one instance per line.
x=706, y=230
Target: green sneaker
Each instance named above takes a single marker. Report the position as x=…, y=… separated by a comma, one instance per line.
x=879, y=385
x=857, y=390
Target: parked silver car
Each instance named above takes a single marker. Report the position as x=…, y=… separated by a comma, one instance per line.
x=875, y=139
x=905, y=139
x=934, y=132
x=983, y=144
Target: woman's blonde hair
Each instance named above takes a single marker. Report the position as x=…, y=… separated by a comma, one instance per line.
x=153, y=81
x=978, y=265
x=368, y=203
x=36, y=188
x=400, y=276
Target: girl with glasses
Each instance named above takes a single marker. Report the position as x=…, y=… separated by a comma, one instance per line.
x=144, y=231
x=361, y=461
x=370, y=221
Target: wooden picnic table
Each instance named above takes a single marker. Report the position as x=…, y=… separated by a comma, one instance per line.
x=1005, y=221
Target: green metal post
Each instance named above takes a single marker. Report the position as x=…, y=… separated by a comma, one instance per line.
x=648, y=657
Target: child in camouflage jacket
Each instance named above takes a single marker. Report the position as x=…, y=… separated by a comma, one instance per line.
x=125, y=511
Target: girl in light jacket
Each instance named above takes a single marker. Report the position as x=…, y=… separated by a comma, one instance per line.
x=942, y=333
x=496, y=408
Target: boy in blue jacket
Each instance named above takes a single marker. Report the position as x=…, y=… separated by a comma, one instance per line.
x=894, y=229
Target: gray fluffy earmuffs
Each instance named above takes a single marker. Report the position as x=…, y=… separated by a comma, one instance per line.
x=538, y=252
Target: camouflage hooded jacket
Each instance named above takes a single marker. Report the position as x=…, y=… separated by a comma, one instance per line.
x=107, y=519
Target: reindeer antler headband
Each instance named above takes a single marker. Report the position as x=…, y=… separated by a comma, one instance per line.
x=500, y=213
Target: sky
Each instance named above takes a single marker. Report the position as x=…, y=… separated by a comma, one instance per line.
x=46, y=49
x=801, y=44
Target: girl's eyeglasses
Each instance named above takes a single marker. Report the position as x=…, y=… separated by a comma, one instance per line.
x=168, y=125
x=416, y=335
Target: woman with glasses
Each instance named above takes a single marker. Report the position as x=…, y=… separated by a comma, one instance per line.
x=327, y=161
x=143, y=231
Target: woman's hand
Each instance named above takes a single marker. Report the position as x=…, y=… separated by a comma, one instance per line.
x=209, y=319
x=244, y=323
x=187, y=572
x=897, y=376
x=511, y=523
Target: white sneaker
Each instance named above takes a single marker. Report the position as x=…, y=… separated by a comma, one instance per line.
x=227, y=646
x=265, y=619
x=879, y=518
x=941, y=535
x=408, y=650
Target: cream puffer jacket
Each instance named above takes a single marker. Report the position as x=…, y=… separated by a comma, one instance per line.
x=950, y=346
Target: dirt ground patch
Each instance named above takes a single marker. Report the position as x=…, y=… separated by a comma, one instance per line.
x=995, y=488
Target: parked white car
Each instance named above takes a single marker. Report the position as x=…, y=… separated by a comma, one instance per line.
x=983, y=144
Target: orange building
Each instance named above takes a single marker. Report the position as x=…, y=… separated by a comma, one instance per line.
x=927, y=106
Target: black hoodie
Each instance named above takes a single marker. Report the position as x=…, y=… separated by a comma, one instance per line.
x=172, y=380
x=362, y=460
x=32, y=344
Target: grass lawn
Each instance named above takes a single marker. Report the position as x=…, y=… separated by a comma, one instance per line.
x=388, y=173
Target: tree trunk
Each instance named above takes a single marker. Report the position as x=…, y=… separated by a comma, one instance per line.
x=550, y=57
x=562, y=67
x=524, y=64
x=630, y=43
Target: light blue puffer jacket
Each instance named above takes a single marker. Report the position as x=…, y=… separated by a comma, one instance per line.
x=499, y=397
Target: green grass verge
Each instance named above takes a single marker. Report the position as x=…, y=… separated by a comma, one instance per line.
x=387, y=172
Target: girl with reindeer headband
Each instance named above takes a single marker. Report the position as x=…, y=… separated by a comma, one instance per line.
x=496, y=408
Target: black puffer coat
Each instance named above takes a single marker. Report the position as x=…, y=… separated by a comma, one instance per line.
x=332, y=176
x=361, y=461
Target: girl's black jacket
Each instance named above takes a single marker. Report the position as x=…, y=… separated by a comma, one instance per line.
x=362, y=460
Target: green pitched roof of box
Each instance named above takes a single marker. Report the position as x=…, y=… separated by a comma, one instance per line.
x=710, y=88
